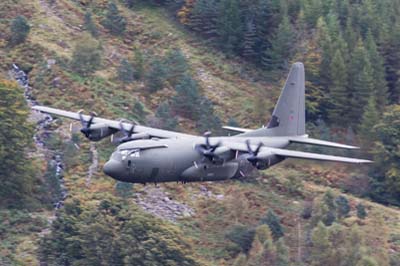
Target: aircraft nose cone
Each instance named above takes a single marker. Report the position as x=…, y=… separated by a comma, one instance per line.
x=113, y=168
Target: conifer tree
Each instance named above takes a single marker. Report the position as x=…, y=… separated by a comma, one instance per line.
x=229, y=25
x=343, y=207
x=378, y=72
x=282, y=253
x=312, y=11
x=89, y=25
x=339, y=95
x=208, y=120
x=361, y=82
x=350, y=35
x=176, y=66
x=387, y=167
x=361, y=212
x=168, y=121
x=113, y=21
x=187, y=99
x=156, y=76
x=125, y=72
x=369, y=119
x=249, y=40
x=204, y=17
x=392, y=64
x=320, y=252
x=273, y=221
x=19, y=30
x=281, y=46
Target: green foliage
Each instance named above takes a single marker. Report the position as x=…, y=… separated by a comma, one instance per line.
x=113, y=234
x=343, y=207
x=139, y=111
x=189, y=103
x=19, y=30
x=282, y=252
x=156, y=76
x=86, y=58
x=89, y=25
x=125, y=72
x=124, y=189
x=320, y=252
x=367, y=261
x=282, y=44
x=16, y=172
x=340, y=97
x=166, y=119
x=242, y=236
x=186, y=101
x=273, y=221
x=386, y=187
x=176, y=66
x=240, y=260
x=138, y=63
x=369, y=119
x=361, y=82
x=361, y=212
x=130, y=3
x=113, y=21
x=207, y=121
x=229, y=26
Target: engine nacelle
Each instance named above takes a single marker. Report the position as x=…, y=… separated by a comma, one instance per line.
x=98, y=132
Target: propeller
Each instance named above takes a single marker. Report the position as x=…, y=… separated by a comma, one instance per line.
x=86, y=130
x=253, y=159
x=207, y=149
x=127, y=133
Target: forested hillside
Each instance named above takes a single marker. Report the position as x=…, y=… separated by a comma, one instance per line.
x=194, y=66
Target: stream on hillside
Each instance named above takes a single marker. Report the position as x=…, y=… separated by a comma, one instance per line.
x=42, y=134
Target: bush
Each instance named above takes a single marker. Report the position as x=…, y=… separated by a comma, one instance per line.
x=242, y=236
x=273, y=221
x=361, y=212
x=113, y=21
x=86, y=57
x=19, y=30
x=343, y=207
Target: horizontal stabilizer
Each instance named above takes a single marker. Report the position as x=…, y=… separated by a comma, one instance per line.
x=237, y=129
x=305, y=140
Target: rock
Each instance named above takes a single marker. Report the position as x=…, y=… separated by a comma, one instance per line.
x=219, y=197
x=155, y=201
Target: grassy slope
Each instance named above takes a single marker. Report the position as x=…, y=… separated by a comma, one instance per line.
x=231, y=85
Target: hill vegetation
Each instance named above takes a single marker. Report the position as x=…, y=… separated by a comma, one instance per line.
x=192, y=65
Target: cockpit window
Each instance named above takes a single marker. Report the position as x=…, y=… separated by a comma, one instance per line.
x=135, y=153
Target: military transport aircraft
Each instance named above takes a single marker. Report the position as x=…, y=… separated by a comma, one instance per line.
x=154, y=155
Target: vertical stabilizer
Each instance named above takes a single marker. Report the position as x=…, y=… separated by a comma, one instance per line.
x=288, y=118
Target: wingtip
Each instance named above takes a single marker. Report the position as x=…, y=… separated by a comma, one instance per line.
x=366, y=162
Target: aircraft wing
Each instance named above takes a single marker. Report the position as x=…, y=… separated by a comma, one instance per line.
x=306, y=140
x=266, y=152
x=115, y=124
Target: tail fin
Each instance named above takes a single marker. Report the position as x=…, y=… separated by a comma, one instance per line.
x=288, y=118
